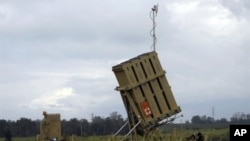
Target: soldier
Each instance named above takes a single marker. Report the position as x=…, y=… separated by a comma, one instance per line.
x=195, y=137
x=199, y=137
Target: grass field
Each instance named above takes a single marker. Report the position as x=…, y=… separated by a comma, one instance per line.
x=175, y=135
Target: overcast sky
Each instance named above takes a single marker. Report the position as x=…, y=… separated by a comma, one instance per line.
x=57, y=55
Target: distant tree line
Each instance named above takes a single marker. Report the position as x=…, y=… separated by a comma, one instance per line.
x=237, y=118
x=98, y=125
x=205, y=122
x=24, y=127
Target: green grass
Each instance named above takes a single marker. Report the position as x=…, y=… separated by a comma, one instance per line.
x=178, y=135
x=21, y=139
x=209, y=134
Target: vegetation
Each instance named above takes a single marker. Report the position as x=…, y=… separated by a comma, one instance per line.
x=99, y=126
x=179, y=135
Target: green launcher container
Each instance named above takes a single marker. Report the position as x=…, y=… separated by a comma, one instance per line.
x=145, y=91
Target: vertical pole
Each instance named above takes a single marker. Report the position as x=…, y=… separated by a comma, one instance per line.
x=154, y=30
x=213, y=113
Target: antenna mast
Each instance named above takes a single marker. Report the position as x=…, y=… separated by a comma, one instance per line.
x=153, y=14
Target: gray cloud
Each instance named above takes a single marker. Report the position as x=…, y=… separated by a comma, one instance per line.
x=48, y=46
x=240, y=8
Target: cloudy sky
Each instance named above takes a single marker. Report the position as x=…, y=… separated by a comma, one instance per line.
x=57, y=55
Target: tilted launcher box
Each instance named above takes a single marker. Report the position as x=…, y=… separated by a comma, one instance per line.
x=145, y=91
